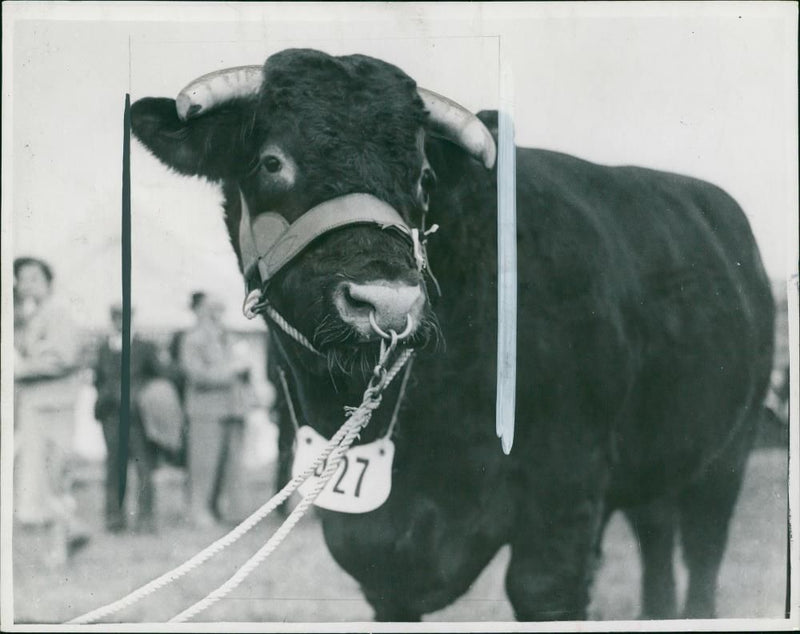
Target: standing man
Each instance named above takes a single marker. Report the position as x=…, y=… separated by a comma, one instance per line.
x=145, y=366
x=46, y=387
x=216, y=384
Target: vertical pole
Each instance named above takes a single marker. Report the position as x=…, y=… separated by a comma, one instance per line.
x=125, y=370
x=506, y=262
x=792, y=577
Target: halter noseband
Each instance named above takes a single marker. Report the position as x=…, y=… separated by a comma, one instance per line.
x=269, y=242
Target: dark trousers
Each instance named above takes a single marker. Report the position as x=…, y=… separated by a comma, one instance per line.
x=143, y=454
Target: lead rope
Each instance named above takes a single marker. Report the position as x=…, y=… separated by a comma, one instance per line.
x=214, y=548
x=256, y=303
x=395, y=411
x=353, y=426
x=338, y=444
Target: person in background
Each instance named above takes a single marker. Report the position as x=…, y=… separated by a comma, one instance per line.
x=174, y=352
x=216, y=382
x=178, y=378
x=46, y=385
x=144, y=366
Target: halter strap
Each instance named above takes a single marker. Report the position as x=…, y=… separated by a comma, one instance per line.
x=268, y=242
x=289, y=401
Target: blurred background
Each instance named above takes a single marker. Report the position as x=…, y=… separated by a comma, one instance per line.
x=705, y=90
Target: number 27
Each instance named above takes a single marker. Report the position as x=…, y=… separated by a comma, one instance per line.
x=362, y=461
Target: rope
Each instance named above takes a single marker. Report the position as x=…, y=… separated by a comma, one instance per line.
x=295, y=334
x=395, y=411
x=353, y=426
x=256, y=303
x=346, y=433
x=219, y=545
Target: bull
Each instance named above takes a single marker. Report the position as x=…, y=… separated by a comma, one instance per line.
x=645, y=333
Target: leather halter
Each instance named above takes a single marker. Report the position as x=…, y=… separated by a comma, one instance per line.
x=268, y=242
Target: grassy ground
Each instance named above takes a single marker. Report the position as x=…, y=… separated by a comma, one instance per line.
x=301, y=582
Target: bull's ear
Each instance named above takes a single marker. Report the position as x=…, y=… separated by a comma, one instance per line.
x=214, y=145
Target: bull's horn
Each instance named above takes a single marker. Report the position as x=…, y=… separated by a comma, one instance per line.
x=451, y=120
x=209, y=90
x=459, y=125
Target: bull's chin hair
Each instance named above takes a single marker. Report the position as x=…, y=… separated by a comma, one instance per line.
x=348, y=356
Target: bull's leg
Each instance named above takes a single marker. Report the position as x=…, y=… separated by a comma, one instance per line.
x=654, y=525
x=705, y=512
x=553, y=559
x=706, y=508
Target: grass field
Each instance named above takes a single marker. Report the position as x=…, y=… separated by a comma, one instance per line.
x=301, y=582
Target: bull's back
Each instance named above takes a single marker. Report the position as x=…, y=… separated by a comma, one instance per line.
x=651, y=313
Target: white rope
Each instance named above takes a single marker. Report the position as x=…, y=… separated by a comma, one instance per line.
x=350, y=427
x=353, y=426
x=395, y=411
x=219, y=545
x=255, y=303
x=295, y=334
x=401, y=361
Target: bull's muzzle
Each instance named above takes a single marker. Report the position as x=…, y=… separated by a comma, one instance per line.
x=392, y=304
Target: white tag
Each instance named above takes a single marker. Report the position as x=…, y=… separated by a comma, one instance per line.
x=363, y=480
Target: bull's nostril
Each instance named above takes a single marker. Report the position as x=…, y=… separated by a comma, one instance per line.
x=356, y=302
x=389, y=304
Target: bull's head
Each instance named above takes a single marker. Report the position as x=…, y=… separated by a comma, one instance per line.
x=323, y=165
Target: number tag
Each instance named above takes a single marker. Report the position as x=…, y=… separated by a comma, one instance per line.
x=363, y=480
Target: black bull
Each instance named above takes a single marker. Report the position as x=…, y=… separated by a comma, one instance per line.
x=645, y=339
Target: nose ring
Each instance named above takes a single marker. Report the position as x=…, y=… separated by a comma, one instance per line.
x=388, y=335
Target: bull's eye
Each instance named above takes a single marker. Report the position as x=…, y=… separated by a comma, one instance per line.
x=272, y=164
x=428, y=181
